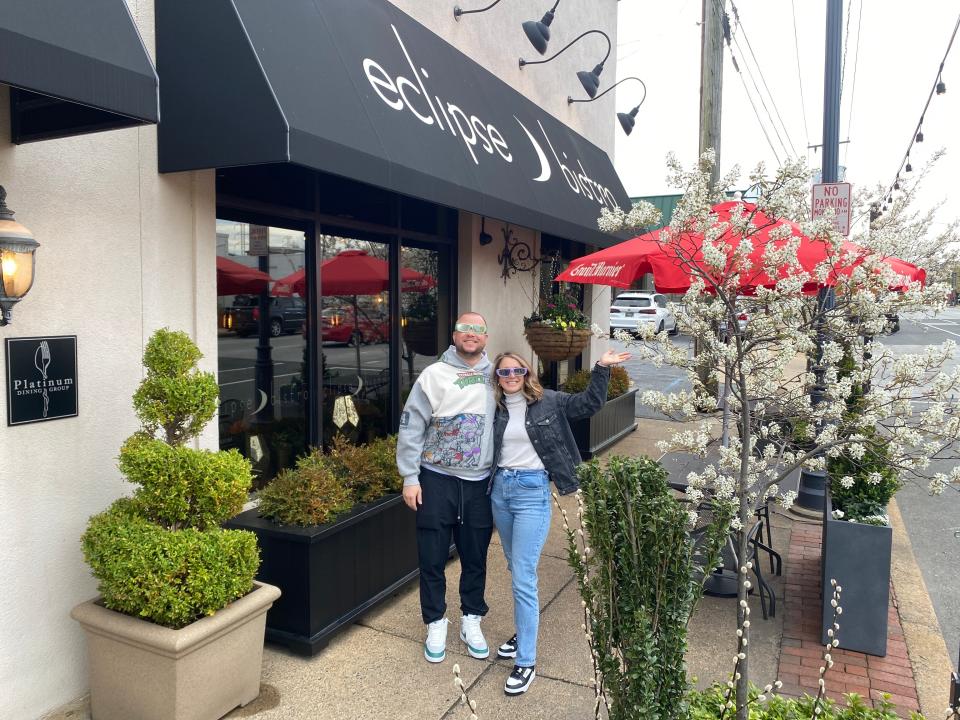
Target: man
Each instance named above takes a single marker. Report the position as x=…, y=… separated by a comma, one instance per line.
x=445, y=453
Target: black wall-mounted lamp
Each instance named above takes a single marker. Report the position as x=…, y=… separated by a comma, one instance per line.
x=485, y=237
x=627, y=120
x=537, y=31
x=17, y=247
x=590, y=79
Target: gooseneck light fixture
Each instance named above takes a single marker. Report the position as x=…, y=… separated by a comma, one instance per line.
x=627, y=120
x=537, y=31
x=17, y=247
x=590, y=79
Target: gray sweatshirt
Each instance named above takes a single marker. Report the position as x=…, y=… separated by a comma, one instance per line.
x=447, y=422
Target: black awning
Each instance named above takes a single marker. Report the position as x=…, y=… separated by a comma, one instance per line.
x=359, y=89
x=74, y=67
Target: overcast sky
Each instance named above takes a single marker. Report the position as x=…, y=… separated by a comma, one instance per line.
x=887, y=77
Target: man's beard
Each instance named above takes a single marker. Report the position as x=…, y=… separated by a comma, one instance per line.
x=466, y=353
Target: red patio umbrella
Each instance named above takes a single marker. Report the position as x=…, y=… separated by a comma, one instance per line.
x=234, y=278
x=657, y=253
x=354, y=272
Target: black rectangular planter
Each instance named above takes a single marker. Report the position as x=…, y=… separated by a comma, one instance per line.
x=857, y=556
x=331, y=574
x=614, y=421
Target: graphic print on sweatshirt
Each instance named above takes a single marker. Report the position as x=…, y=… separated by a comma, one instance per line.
x=454, y=442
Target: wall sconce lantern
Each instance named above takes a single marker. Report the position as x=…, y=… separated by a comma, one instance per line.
x=17, y=247
x=516, y=255
x=590, y=79
x=485, y=237
x=627, y=120
x=537, y=32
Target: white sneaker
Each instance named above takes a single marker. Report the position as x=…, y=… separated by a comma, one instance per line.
x=435, y=648
x=470, y=634
x=519, y=680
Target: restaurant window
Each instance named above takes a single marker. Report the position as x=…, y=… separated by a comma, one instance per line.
x=425, y=321
x=355, y=332
x=262, y=344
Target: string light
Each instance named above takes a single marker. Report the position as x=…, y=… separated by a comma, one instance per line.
x=920, y=134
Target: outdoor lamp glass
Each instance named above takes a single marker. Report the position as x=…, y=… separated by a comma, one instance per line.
x=17, y=247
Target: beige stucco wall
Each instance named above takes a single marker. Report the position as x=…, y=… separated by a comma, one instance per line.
x=124, y=251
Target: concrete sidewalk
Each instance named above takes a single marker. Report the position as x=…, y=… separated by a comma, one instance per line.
x=376, y=668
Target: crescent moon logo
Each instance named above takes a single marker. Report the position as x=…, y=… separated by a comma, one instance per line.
x=541, y=156
x=263, y=402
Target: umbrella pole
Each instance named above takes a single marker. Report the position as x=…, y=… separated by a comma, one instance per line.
x=357, y=334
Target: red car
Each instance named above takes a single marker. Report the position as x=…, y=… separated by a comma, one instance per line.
x=338, y=325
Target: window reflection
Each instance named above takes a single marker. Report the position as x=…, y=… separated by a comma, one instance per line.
x=355, y=329
x=424, y=315
x=261, y=345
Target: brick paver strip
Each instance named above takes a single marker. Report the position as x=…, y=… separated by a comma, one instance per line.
x=801, y=652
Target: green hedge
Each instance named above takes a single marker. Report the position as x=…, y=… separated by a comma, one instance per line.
x=708, y=705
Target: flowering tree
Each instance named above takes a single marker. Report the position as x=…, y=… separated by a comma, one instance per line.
x=868, y=400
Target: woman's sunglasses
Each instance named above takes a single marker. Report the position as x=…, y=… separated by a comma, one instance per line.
x=507, y=372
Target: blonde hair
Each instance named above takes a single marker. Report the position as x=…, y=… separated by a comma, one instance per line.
x=531, y=388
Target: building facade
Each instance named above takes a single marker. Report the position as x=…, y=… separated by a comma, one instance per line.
x=325, y=191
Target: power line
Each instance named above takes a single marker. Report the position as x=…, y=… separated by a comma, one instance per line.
x=763, y=104
x=736, y=14
x=846, y=39
x=853, y=83
x=796, y=45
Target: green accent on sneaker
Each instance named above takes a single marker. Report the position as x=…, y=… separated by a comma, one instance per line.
x=434, y=654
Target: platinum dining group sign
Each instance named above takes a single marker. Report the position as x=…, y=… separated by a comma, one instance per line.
x=41, y=379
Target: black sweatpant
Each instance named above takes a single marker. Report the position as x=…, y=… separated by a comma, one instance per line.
x=461, y=509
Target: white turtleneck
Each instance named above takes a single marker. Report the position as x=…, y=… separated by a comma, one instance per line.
x=517, y=452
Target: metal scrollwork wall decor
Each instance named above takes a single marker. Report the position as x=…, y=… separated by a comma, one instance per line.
x=516, y=256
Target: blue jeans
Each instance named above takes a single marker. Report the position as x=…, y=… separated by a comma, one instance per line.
x=521, y=511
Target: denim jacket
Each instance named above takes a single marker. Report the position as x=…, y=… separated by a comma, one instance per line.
x=548, y=426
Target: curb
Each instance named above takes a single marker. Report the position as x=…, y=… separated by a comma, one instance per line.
x=926, y=648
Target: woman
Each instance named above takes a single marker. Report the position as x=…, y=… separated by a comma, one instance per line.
x=533, y=444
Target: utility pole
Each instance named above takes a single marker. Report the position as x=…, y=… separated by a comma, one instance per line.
x=711, y=79
x=812, y=491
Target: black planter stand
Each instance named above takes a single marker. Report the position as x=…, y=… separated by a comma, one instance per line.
x=331, y=574
x=614, y=421
x=858, y=557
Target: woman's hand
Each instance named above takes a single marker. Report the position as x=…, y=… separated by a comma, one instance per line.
x=613, y=358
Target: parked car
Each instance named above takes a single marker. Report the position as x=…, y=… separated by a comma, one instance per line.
x=287, y=315
x=629, y=309
x=338, y=325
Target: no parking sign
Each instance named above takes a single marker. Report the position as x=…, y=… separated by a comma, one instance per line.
x=836, y=197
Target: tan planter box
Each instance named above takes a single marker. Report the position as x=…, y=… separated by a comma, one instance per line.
x=201, y=672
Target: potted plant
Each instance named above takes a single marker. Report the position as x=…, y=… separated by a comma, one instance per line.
x=615, y=419
x=178, y=629
x=857, y=543
x=558, y=330
x=336, y=538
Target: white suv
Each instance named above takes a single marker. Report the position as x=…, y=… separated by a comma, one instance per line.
x=629, y=309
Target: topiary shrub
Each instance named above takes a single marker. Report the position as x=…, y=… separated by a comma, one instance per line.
x=618, y=385
x=323, y=485
x=861, y=488
x=161, y=554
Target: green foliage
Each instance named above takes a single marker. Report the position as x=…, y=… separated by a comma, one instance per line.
x=184, y=487
x=618, y=385
x=708, y=705
x=323, y=485
x=175, y=395
x=308, y=494
x=560, y=309
x=170, y=577
x=161, y=554
x=639, y=583
x=864, y=498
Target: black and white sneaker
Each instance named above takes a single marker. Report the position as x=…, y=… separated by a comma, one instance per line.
x=519, y=680
x=509, y=648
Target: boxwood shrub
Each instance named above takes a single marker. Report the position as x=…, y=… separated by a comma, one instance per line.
x=161, y=554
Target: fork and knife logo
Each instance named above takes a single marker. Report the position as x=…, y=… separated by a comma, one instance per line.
x=41, y=360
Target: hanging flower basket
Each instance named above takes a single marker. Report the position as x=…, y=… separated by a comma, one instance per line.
x=552, y=343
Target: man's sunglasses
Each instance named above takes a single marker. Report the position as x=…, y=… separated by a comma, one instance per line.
x=471, y=328
x=507, y=372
